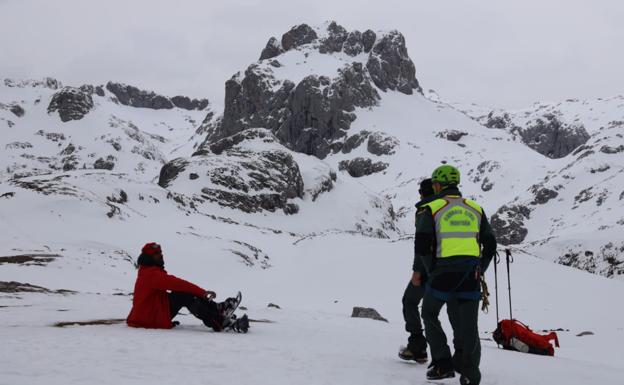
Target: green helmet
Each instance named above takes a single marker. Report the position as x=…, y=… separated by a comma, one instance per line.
x=445, y=175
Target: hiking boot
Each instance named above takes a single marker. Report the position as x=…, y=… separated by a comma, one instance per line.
x=440, y=369
x=420, y=356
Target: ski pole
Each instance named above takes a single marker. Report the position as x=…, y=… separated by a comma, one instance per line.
x=496, y=260
x=509, y=260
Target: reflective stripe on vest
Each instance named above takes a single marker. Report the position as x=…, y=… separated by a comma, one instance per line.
x=457, y=223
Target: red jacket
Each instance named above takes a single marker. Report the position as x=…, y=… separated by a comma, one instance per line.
x=150, y=305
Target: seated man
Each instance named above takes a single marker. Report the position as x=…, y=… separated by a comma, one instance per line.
x=154, y=307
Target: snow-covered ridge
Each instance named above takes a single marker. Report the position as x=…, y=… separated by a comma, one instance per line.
x=591, y=113
x=48, y=128
x=554, y=129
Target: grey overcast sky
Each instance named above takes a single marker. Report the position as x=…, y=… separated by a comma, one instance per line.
x=502, y=53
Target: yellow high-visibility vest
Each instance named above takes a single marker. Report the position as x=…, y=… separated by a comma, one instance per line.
x=457, y=223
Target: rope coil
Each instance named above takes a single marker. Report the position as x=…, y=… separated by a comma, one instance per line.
x=485, y=294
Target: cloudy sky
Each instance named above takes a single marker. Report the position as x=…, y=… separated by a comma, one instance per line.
x=503, y=53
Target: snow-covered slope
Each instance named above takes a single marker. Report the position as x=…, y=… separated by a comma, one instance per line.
x=104, y=135
x=300, y=192
x=312, y=340
x=574, y=214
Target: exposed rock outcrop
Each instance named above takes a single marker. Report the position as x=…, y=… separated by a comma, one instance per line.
x=353, y=45
x=235, y=176
x=552, y=138
x=612, y=150
x=334, y=40
x=134, y=97
x=187, y=103
x=105, y=164
x=18, y=145
x=359, y=167
x=171, y=170
x=253, y=182
x=48, y=82
x=354, y=141
x=390, y=66
x=508, y=224
x=451, y=135
x=305, y=117
x=321, y=110
x=273, y=48
x=325, y=183
x=607, y=261
x=497, y=121
x=298, y=36
x=368, y=40
x=17, y=110
x=542, y=194
x=97, y=90
x=18, y=287
x=227, y=143
x=382, y=144
x=71, y=103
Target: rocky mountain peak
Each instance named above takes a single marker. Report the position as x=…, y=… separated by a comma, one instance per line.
x=305, y=87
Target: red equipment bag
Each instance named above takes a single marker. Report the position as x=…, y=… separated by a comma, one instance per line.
x=514, y=335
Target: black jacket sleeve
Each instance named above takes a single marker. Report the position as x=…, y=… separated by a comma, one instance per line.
x=422, y=243
x=488, y=241
x=424, y=240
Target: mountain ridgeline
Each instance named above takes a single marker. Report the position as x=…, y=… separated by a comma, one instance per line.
x=328, y=132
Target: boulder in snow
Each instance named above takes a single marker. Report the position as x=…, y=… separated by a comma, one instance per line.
x=367, y=312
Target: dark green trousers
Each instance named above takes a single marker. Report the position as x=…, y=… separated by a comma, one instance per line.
x=413, y=324
x=463, y=315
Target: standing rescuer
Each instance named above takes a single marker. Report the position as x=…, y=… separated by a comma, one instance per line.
x=416, y=349
x=456, y=245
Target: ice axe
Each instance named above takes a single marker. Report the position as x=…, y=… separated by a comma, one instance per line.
x=496, y=261
x=509, y=259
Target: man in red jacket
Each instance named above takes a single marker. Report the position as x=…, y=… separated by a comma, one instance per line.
x=154, y=307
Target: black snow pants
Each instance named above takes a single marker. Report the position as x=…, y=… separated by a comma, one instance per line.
x=204, y=309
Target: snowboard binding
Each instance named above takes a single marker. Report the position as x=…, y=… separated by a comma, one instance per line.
x=239, y=325
x=230, y=321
